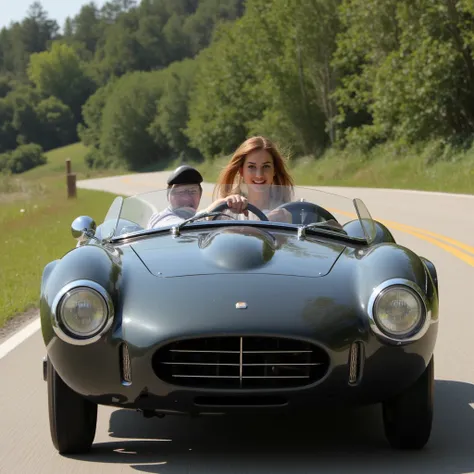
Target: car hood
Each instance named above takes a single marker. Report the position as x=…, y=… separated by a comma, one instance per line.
x=237, y=249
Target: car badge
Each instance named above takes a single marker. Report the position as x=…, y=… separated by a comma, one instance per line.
x=241, y=305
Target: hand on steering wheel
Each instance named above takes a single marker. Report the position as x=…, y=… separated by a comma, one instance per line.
x=239, y=204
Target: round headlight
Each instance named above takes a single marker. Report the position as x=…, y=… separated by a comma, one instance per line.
x=398, y=311
x=83, y=312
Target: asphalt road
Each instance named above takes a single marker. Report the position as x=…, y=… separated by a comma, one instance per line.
x=440, y=227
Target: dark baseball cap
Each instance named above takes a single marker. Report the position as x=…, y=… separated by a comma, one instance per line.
x=185, y=175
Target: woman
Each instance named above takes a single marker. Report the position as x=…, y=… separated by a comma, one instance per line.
x=256, y=174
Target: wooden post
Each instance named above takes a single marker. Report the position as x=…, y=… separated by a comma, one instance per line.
x=70, y=180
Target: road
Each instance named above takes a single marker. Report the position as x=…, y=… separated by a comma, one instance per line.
x=438, y=226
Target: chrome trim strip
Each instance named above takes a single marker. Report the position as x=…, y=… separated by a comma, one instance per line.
x=263, y=364
x=238, y=352
x=81, y=341
x=420, y=331
x=240, y=377
x=241, y=369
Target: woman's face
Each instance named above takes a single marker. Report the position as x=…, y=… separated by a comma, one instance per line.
x=258, y=169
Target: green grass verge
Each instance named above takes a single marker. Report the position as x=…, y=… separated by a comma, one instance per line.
x=37, y=217
x=38, y=232
x=428, y=168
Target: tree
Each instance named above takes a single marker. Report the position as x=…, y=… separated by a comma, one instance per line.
x=172, y=109
x=57, y=123
x=7, y=131
x=60, y=73
x=37, y=29
x=127, y=116
x=407, y=69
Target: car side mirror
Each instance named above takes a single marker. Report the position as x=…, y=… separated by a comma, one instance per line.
x=83, y=227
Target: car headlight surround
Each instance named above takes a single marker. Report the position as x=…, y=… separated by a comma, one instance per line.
x=399, y=311
x=82, y=311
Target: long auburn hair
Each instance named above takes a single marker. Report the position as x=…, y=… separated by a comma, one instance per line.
x=229, y=180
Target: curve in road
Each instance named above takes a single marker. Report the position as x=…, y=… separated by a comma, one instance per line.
x=436, y=225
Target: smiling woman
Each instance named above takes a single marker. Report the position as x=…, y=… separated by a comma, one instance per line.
x=256, y=165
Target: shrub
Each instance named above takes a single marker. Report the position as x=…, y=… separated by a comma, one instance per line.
x=22, y=159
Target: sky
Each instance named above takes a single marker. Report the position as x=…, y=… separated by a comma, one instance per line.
x=59, y=10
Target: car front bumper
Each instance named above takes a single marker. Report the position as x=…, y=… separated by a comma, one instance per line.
x=97, y=372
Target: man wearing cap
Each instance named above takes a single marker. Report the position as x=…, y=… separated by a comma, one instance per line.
x=184, y=196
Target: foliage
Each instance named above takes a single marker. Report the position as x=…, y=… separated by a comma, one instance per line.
x=59, y=73
x=312, y=75
x=407, y=69
x=46, y=76
x=172, y=111
x=127, y=116
x=22, y=159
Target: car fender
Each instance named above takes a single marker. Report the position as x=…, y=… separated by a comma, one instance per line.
x=382, y=233
x=432, y=272
x=45, y=275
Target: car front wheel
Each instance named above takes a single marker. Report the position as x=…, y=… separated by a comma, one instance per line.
x=408, y=417
x=72, y=418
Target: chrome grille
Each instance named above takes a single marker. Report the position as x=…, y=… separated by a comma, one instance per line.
x=241, y=362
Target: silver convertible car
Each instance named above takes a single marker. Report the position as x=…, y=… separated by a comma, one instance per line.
x=223, y=314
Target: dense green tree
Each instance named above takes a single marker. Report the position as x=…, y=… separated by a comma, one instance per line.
x=128, y=114
x=90, y=132
x=7, y=130
x=407, y=70
x=57, y=123
x=172, y=109
x=224, y=101
x=60, y=73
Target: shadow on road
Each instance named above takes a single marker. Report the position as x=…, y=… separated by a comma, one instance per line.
x=333, y=441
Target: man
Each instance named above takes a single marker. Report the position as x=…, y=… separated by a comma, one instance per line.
x=184, y=196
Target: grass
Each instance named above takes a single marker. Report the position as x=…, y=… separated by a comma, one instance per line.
x=35, y=210
x=427, y=168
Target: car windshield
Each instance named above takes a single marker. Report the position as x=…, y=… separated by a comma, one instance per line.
x=306, y=210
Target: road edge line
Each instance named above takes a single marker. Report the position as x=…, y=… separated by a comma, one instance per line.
x=18, y=337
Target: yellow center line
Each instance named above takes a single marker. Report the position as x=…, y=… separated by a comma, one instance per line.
x=466, y=247
x=435, y=239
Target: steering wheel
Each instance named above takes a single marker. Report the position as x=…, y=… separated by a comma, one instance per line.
x=250, y=207
x=306, y=213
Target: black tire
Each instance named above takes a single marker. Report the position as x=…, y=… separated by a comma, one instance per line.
x=408, y=417
x=72, y=418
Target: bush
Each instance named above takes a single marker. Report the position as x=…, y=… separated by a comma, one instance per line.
x=24, y=158
x=94, y=159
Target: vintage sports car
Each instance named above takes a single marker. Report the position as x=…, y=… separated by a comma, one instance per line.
x=222, y=313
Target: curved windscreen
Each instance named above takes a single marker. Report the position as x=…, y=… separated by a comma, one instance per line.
x=303, y=209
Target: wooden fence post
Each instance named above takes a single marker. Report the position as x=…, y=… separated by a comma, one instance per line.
x=70, y=180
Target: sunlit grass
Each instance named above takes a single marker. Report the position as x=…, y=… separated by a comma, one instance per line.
x=36, y=232
x=387, y=167
x=36, y=216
